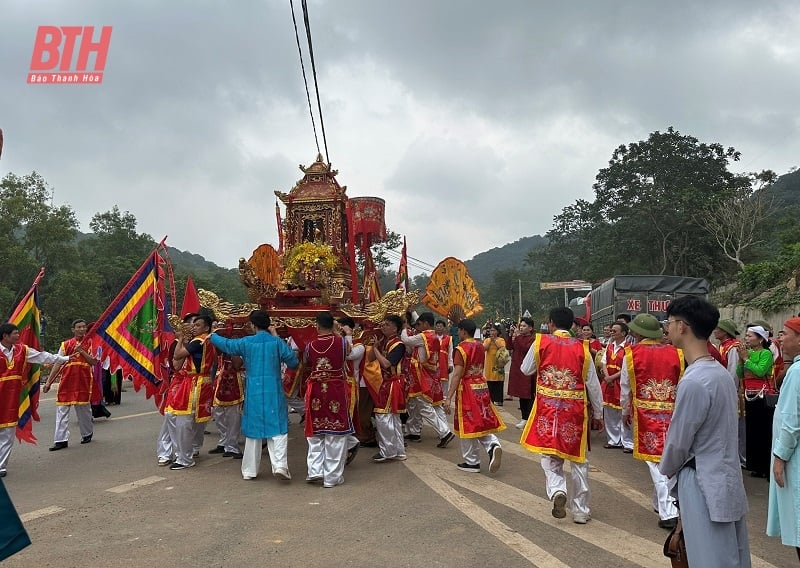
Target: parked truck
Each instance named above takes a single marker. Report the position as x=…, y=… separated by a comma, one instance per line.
x=638, y=294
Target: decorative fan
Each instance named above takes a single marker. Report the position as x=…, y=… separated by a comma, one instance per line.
x=451, y=291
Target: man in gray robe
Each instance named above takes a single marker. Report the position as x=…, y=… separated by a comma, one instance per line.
x=701, y=452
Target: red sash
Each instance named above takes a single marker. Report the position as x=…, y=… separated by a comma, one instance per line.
x=654, y=371
x=386, y=385
x=11, y=378
x=228, y=388
x=559, y=424
x=328, y=392
x=612, y=390
x=425, y=380
x=75, y=384
x=444, y=360
x=475, y=415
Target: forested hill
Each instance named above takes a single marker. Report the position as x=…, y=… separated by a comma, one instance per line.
x=787, y=190
x=483, y=266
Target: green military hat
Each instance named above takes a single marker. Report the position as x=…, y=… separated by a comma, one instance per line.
x=728, y=327
x=646, y=325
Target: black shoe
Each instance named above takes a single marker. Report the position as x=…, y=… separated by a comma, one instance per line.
x=234, y=455
x=86, y=439
x=759, y=474
x=106, y=413
x=351, y=455
x=58, y=446
x=668, y=524
x=413, y=438
x=218, y=450
x=627, y=450
x=3, y=473
x=369, y=444
x=469, y=468
x=446, y=440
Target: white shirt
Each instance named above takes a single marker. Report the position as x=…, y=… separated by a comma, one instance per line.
x=615, y=348
x=415, y=342
x=449, y=349
x=591, y=380
x=35, y=356
x=356, y=354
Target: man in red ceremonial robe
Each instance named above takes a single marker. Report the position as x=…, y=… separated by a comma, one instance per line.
x=328, y=413
x=226, y=412
x=425, y=395
x=384, y=379
x=74, y=387
x=354, y=367
x=519, y=384
x=650, y=375
x=191, y=393
x=619, y=435
x=445, y=353
x=559, y=424
x=14, y=369
x=476, y=419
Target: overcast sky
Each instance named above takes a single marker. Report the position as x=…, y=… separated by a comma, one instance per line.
x=476, y=121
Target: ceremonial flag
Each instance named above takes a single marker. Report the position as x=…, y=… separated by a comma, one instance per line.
x=131, y=330
x=191, y=301
x=402, y=272
x=372, y=287
x=27, y=318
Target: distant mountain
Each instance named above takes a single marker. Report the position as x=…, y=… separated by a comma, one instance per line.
x=483, y=266
x=787, y=190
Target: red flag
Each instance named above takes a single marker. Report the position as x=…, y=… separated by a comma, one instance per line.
x=191, y=301
x=402, y=272
x=27, y=319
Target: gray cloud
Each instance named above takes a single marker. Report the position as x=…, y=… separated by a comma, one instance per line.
x=476, y=121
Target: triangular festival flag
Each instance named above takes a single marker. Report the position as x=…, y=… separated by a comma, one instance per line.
x=27, y=318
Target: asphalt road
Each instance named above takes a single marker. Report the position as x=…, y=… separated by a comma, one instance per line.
x=107, y=503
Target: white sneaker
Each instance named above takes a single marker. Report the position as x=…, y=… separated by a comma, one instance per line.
x=164, y=461
x=248, y=477
x=495, y=456
x=329, y=485
x=559, y=505
x=521, y=424
x=282, y=473
x=581, y=518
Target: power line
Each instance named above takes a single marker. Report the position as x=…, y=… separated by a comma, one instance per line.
x=314, y=72
x=305, y=80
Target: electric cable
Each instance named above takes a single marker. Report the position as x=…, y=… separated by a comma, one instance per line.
x=305, y=80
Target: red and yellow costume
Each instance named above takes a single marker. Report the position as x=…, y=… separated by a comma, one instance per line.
x=611, y=391
x=653, y=371
x=559, y=423
x=191, y=389
x=444, y=356
x=726, y=346
x=77, y=379
x=475, y=415
x=425, y=379
x=11, y=378
x=328, y=392
x=228, y=387
x=385, y=385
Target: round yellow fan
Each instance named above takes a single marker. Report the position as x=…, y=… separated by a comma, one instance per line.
x=451, y=291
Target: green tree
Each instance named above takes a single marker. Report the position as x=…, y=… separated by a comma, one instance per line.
x=643, y=217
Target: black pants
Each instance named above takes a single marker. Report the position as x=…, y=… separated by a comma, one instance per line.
x=525, y=407
x=758, y=430
x=496, y=391
x=109, y=395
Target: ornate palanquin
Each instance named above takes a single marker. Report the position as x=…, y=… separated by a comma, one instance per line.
x=317, y=210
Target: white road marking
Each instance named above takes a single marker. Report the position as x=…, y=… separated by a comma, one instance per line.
x=528, y=550
x=39, y=513
x=136, y=484
x=629, y=546
x=133, y=415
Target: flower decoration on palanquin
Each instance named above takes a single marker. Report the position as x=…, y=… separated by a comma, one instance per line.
x=309, y=261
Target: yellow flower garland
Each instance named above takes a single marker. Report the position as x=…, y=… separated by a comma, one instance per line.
x=306, y=258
